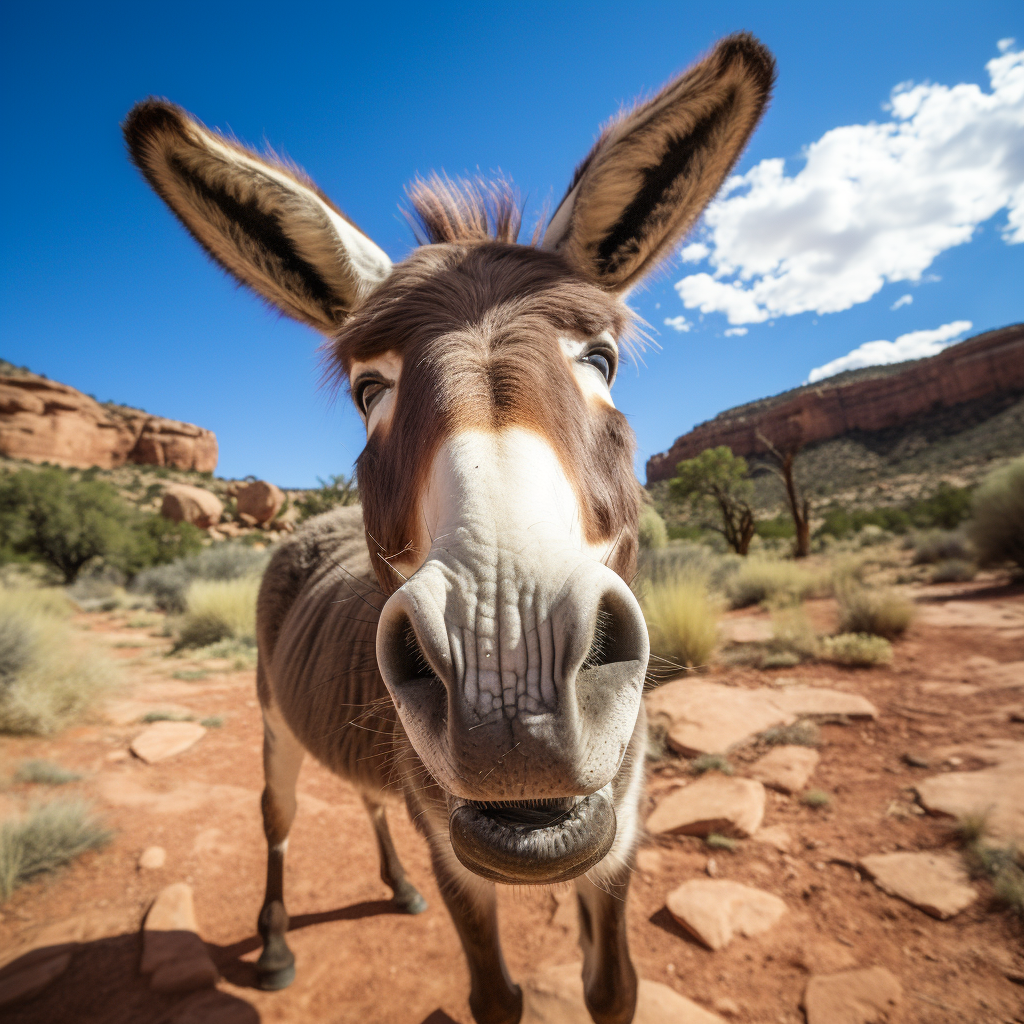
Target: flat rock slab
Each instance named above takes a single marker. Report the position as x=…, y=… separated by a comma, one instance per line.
x=708, y=718
x=871, y=996
x=715, y=911
x=808, y=701
x=714, y=803
x=933, y=882
x=165, y=739
x=173, y=954
x=995, y=793
x=555, y=996
x=787, y=768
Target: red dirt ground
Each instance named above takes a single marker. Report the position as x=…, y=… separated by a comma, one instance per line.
x=359, y=962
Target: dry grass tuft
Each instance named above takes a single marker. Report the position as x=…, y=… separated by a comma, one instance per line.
x=711, y=763
x=50, y=836
x=816, y=798
x=804, y=733
x=858, y=650
x=682, y=619
x=877, y=612
x=759, y=580
x=719, y=842
x=45, y=773
x=218, y=610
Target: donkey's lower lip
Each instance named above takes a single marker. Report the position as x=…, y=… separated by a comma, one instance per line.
x=532, y=842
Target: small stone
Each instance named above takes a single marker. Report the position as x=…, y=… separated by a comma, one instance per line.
x=153, y=857
x=775, y=836
x=871, y=996
x=716, y=911
x=916, y=760
x=933, y=882
x=165, y=739
x=711, y=867
x=786, y=768
x=714, y=803
x=23, y=983
x=555, y=996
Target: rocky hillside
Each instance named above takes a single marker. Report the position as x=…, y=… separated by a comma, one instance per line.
x=962, y=407
x=44, y=421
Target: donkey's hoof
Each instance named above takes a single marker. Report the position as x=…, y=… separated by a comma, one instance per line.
x=409, y=902
x=273, y=980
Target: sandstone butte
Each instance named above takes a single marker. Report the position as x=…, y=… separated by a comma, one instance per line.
x=44, y=421
x=876, y=399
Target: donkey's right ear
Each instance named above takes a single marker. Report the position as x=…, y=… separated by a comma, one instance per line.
x=264, y=223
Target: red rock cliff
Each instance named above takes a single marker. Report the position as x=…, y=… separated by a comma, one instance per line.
x=43, y=421
x=988, y=364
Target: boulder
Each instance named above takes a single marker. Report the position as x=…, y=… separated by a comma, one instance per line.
x=786, y=768
x=165, y=739
x=260, y=500
x=714, y=803
x=555, y=996
x=188, y=504
x=933, y=882
x=870, y=996
x=44, y=421
x=714, y=911
x=173, y=954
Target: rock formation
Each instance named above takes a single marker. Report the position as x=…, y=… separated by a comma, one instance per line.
x=876, y=398
x=44, y=421
x=184, y=503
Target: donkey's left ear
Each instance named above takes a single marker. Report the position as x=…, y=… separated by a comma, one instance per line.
x=265, y=223
x=654, y=169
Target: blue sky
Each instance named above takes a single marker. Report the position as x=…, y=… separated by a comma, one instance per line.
x=891, y=163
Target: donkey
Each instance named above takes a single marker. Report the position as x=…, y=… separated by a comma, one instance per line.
x=468, y=638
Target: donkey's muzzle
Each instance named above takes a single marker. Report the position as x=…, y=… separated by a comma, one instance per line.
x=532, y=842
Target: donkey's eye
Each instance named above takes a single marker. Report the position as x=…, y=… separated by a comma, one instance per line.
x=368, y=392
x=603, y=361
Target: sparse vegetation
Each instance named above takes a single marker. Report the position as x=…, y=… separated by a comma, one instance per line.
x=931, y=546
x=719, y=842
x=1001, y=864
x=793, y=638
x=816, y=798
x=218, y=610
x=212, y=722
x=332, y=492
x=997, y=516
x=50, y=836
x=653, y=532
x=759, y=580
x=682, y=619
x=169, y=584
x=45, y=773
x=165, y=716
x=45, y=681
x=804, y=733
x=876, y=612
x=858, y=650
x=954, y=570
x=711, y=763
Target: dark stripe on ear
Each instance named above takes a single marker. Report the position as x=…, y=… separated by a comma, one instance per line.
x=637, y=219
x=261, y=227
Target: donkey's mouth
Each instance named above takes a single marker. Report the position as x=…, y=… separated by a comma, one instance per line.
x=532, y=842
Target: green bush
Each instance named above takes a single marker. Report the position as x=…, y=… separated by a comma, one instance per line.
x=217, y=610
x=763, y=579
x=946, y=509
x=653, y=532
x=878, y=612
x=779, y=528
x=997, y=516
x=332, y=492
x=859, y=650
x=50, y=836
x=45, y=681
x=954, y=570
x=169, y=584
x=931, y=546
x=682, y=619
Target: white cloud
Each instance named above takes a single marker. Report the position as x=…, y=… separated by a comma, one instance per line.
x=903, y=300
x=915, y=345
x=678, y=323
x=695, y=252
x=735, y=332
x=873, y=203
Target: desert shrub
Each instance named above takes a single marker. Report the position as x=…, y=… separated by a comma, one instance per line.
x=996, y=525
x=793, y=638
x=332, y=492
x=931, y=546
x=686, y=561
x=165, y=716
x=45, y=773
x=218, y=610
x=682, y=619
x=763, y=579
x=168, y=584
x=878, y=612
x=816, y=798
x=801, y=734
x=45, y=682
x=47, y=838
x=859, y=650
x=779, y=528
x=719, y=842
x=711, y=763
x=945, y=509
x=954, y=570
x=653, y=532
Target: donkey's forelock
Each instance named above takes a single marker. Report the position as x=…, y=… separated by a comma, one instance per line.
x=459, y=210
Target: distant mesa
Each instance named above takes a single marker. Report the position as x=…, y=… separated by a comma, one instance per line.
x=44, y=421
x=874, y=398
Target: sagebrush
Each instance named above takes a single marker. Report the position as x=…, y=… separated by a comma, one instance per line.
x=877, y=612
x=996, y=525
x=217, y=610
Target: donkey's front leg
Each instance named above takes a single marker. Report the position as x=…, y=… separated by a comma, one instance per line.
x=609, y=978
x=282, y=758
x=471, y=901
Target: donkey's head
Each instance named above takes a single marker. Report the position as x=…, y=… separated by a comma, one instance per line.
x=497, y=484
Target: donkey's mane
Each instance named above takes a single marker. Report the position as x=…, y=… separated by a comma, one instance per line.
x=459, y=210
